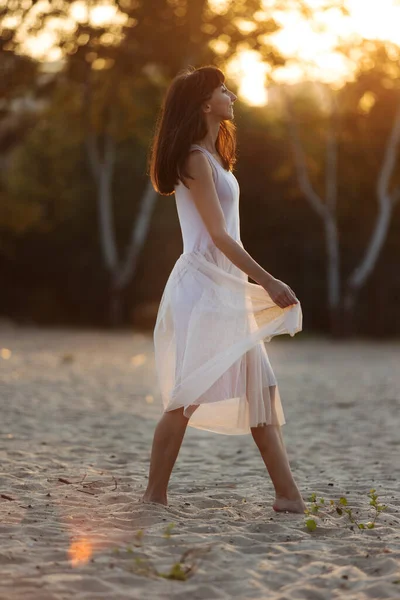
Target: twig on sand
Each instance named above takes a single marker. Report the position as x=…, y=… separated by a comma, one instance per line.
x=86, y=492
x=6, y=497
x=87, y=485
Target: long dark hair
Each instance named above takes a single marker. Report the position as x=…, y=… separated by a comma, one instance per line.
x=181, y=123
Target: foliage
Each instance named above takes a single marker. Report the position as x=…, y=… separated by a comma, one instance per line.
x=181, y=570
x=340, y=507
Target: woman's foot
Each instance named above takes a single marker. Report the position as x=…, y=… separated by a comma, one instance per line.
x=148, y=499
x=293, y=505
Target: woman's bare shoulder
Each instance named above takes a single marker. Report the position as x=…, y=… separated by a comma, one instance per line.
x=197, y=163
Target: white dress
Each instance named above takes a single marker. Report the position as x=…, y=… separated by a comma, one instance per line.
x=208, y=338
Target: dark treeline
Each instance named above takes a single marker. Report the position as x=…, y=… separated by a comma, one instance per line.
x=52, y=255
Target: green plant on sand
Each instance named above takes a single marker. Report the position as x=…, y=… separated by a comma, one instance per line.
x=180, y=570
x=341, y=507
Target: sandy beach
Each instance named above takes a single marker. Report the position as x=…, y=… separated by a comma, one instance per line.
x=78, y=411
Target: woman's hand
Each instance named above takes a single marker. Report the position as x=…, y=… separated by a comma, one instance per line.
x=280, y=293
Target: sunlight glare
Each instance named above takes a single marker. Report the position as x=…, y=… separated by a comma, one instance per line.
x=80, y=552
x=99, y=15
x=249, y=72
x=41, y=45
x=138, y=360
x=367, y=102
x=245, y=25
x=219, y=6
x=219, y=46
x=79, y=12
x=309, y=45
x=317, y=58
x=374, y=20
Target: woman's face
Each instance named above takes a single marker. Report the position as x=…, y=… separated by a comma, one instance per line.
x=221, y=102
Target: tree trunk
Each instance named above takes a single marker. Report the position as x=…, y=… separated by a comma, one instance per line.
x=140, y=229
x=349, y=311
x=105, y=205
x=325, y=210
x=387, y=200
x=115, y=305
x=333, y=269
x=360, y=274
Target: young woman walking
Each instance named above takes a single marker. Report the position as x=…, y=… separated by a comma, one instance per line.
x=211, y=362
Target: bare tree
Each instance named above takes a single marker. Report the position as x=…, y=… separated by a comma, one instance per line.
x=387, y=199
x=343, y=304
x=120, y=269
x=324, y=207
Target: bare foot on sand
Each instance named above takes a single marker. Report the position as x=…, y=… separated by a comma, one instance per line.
x=283, y=504
x=147, y=499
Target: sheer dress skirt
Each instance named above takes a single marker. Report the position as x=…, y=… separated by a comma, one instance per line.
x=209, y=345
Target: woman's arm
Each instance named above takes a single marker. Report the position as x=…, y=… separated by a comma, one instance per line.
x=207, y=203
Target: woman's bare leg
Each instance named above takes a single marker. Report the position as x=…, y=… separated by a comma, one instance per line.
x=270, y=443
x=167, y=440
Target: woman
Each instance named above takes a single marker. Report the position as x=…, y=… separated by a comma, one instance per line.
x=211, y=362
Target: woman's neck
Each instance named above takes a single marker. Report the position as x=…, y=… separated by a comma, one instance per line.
x=209, y=141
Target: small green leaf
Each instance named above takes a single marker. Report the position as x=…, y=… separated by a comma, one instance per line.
x=370, y=525
x=343, y=501
x=361, y=526
x=311, y=524
x=168, y=529
x=339, y=510
x=139, y=534
x=176, y=572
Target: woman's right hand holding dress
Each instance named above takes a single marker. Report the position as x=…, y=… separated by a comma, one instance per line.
x=280, y=292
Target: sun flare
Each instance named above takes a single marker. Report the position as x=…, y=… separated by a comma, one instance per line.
x=249, y=71
x=308, y=44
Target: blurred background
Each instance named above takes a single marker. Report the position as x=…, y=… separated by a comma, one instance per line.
x=84, y=239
